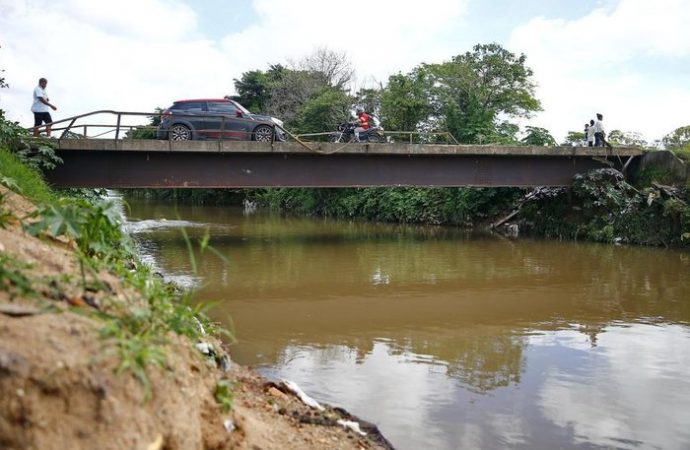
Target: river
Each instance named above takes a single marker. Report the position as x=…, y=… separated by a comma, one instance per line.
x=444, y=339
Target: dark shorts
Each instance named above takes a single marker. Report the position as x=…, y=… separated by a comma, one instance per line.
x=40, y=118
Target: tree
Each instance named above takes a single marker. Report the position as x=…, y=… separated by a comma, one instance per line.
x=475, y=88
x=370, y=100
x=626, y=138
x=252, y=90
x=291, y=92
x=538, y=136
x=405, y=102
x=678, y=138
x=506, y=133
x=333, y=66
x=575, y=138
x=149, y=130
x=465, y=96
x=323, y=112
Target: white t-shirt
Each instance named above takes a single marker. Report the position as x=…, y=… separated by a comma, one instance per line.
x=590, y=133
x=598, y=127
x=39, y=106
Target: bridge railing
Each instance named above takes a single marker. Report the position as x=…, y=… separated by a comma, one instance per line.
x=129, y=125
x=119, y=125
x=411, y=137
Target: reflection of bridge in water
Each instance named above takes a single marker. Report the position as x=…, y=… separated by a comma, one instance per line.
x=141, y=163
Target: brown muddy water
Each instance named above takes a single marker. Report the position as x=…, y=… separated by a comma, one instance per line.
x=443, y=339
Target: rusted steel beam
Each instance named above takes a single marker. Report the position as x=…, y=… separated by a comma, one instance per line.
x=178, y=169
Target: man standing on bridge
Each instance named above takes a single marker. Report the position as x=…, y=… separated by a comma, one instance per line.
x=600, y=133
x=41, y=107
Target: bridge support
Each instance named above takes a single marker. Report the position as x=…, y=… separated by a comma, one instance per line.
x=197, y=169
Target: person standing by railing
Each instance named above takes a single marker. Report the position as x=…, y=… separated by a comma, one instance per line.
x=41, y=107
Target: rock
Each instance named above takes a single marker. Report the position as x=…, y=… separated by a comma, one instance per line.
x=277, y=393
x=157, y=444
x=17, y=310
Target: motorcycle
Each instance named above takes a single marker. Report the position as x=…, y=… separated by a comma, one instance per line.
x=346, y=133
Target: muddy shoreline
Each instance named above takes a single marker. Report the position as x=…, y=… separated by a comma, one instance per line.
x=63, y=385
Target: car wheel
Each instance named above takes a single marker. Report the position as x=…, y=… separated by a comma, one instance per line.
x=263, y=133
x=179, y=132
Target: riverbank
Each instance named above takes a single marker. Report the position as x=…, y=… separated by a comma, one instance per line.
x=98, y=352
x=601, y=206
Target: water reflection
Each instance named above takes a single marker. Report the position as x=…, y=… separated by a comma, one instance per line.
x=448, y=340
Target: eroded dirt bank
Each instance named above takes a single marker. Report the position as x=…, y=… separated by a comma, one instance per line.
x=59, y=381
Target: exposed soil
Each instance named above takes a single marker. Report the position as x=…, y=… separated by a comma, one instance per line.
x=59, y=388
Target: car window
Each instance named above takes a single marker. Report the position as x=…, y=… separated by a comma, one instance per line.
x=222, y=107
x=189, y=106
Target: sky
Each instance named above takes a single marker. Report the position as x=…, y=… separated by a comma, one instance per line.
x=627, y=59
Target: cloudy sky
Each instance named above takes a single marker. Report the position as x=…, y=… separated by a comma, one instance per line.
x=629, y=59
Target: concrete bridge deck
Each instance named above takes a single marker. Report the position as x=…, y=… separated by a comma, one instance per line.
x=246, y=164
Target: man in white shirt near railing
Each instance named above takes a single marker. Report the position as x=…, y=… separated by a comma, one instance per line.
x=41, y=107
x=599, y=132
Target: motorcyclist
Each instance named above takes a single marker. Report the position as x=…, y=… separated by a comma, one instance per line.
x=362, y=122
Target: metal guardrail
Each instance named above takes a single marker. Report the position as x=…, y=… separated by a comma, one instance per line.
x=71, y=128
x=425, y=134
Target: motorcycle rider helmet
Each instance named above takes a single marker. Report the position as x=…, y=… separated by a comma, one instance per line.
x=359, y=110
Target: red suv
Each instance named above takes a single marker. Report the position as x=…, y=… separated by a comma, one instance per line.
x=213, y=118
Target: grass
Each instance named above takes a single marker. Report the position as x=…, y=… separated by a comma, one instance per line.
x=12, y=278
x=136, y=331
x=683, y=153
x=26, y=181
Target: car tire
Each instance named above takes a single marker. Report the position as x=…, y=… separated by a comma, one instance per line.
x=179, y=132
x=263, y=133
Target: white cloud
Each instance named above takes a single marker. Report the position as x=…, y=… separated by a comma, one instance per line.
x=380, y=38
x=133, y=55
x=609, y=62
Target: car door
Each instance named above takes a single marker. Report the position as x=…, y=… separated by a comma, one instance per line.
x=227, y=121
x=191, y=114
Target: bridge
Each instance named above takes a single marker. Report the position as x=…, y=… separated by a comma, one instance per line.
x=246, y=164
x=148, y=163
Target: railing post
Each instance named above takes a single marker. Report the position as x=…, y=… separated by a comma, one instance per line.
x=117, y=129
x=68, y=127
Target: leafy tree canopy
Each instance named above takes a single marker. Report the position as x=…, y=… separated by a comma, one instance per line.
x=626, y=138
x=678, y=138
x=538, y=136
x=575, y=138
x=466, y=95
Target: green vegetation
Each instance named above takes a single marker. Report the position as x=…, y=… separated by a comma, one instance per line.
x=626, y=138
x=138, y=329
x=476, y=95
x=457, y=206
x=602, y=207
x=683, y=153
x=224, y=394
x=16, y=172
x=13, y=279
x=539, y=137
